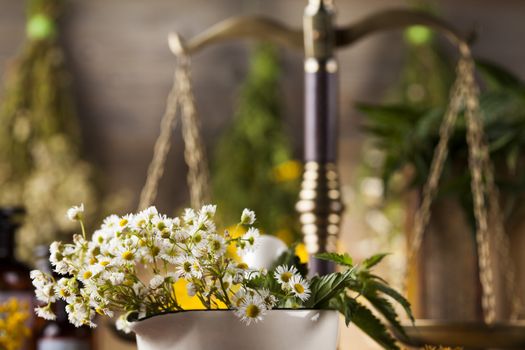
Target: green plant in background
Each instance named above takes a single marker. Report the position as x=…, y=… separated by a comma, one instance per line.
x=40, y=166
x=252, y=165
x=406, y=131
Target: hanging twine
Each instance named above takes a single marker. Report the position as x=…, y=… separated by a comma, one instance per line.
x=465, y=92
x=180, y=98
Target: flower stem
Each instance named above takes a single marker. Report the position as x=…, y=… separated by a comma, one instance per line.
x=83, y=229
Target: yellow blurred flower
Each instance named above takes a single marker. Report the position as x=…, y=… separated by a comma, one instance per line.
x=13, y=330
x=187, y=302
x=285, y=235
x=300, y=251
x=287, y=171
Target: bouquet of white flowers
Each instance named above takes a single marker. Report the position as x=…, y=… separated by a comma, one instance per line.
x=101, y=275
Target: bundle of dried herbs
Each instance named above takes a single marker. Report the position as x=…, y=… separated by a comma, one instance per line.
x=40, y=163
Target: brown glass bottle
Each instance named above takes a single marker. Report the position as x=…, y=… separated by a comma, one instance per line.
x=14, y=275
x=60, y=334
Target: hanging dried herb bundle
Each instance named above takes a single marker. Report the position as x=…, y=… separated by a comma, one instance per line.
x=40, y=166
x=253, y=165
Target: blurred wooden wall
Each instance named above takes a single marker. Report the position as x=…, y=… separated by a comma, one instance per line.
x=123, y=70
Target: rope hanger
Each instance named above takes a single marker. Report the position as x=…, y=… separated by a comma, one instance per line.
x=179, y=99
x=465, y=93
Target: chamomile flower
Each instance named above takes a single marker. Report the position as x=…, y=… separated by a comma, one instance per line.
x=156, y=281
x=75, y=213
x=247, y=217
x=216, y=245
x=116, y=278
x=191, y=289
x=268, y=299
x=188, y=267
x=45, y=312
x=189, y=216
x=208, y=211
x=66, y=289
x=248, y=241
x=283, y=274
x=56, y=252
x=80, y=314
x=123, y=325
x=104, y=278
x=44, y=286
x=300, y=287
x=251, y=309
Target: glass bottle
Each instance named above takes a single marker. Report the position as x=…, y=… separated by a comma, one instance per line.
x=15, y=282
x=60, y=334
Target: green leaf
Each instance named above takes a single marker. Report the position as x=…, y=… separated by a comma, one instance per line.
x=341, y=259
x=392, y=293
x=385, y=308
x=496, y=76
x=324, y=288
x=374, y=260
x=363, y=318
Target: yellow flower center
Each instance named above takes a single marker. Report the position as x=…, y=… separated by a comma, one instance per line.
x=104, y=263
x=87, y=275
x=242, y=266
x=285, y=276
x=123, y=222
x=197, y=238
x=252, y=311
x=216, y=245
x=298, y=288
x=127, y=255
x=155, y=251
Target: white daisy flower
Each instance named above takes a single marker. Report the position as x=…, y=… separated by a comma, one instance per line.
x=251, y=237
x=188, y=267
x=123, y=325
x=44, y=286
x=208, y=211
x=116, y=278
x=247, y=217
x=248, y=242
x=55, y=252
x=79, y=314
x=191, y=289
x=161, y=223
x=300, y=287
x=216, y=245
x=45, y=312
x=252, y=309
x=149, y=213
x=189, y=216
x=110, y=223
x=238, y=297
x=269, y=299
x=76, y=213
x=156, y=281
x=283, y=274
x=139, y=289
